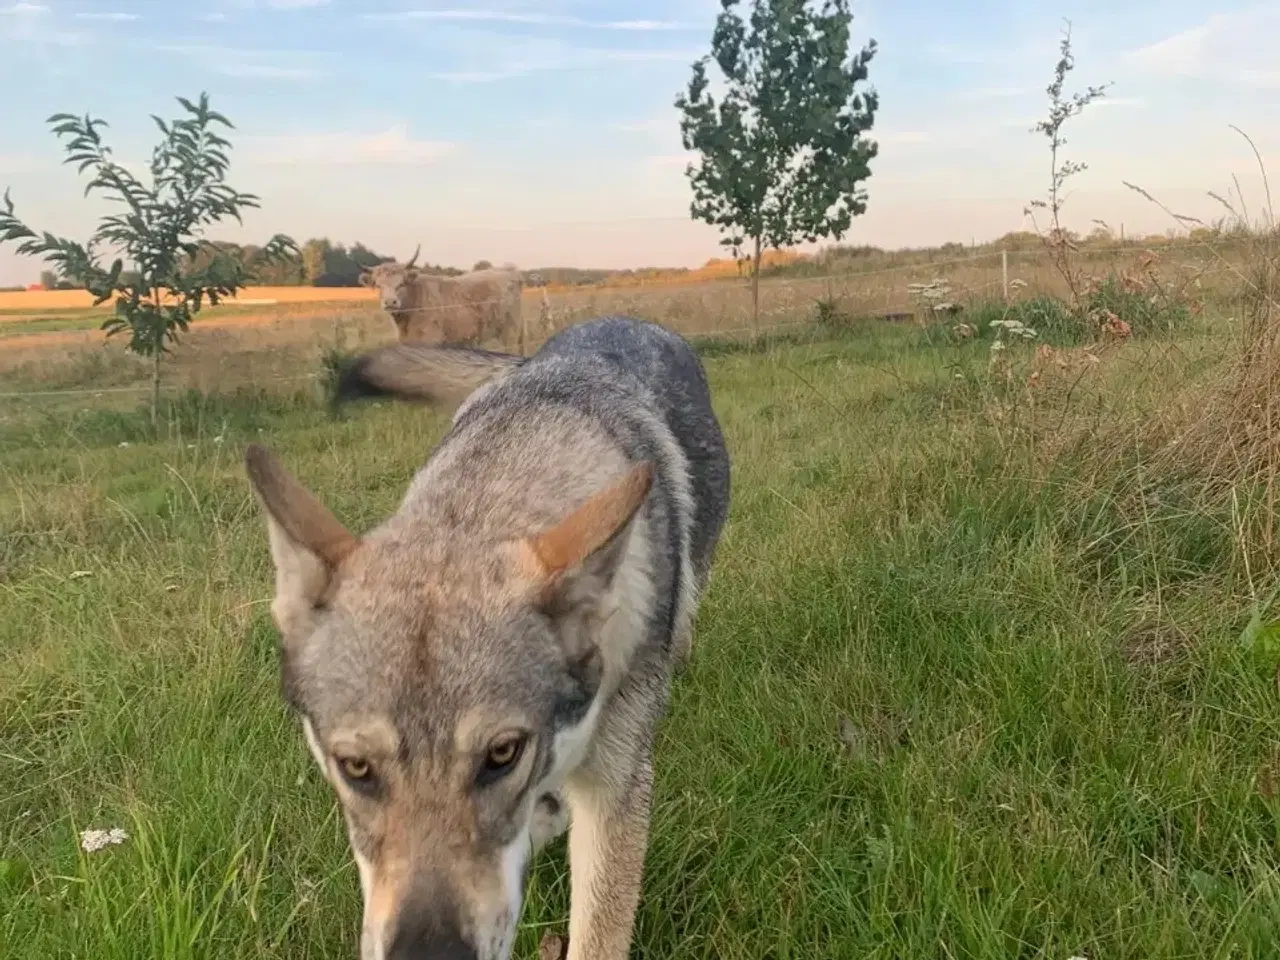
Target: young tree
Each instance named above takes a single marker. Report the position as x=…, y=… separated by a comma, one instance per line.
x=1061, y=109
x=783, y=152
x=159, y=230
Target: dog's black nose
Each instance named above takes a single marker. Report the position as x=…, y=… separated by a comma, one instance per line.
x=429, y=937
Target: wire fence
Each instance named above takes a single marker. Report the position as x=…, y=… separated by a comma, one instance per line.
x=716, y=308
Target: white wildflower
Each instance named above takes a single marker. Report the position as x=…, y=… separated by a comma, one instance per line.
x=935, y=292
x=123, y=444
x=80, y=574
x=92, y=841
x=1015, y=328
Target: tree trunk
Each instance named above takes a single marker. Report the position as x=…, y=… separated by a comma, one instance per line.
x=755, y=292
x=155, y=391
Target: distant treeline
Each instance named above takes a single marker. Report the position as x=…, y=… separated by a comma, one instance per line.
x=322, y=263
x=326, y=264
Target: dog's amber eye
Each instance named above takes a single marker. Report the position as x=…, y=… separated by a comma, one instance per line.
x=503, y=754
x=355, y=769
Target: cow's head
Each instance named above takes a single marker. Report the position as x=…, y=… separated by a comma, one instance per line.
x=394, y=282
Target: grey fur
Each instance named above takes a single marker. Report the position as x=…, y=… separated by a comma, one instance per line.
x=417, y=637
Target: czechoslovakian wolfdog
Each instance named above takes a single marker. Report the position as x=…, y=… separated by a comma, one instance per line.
x=487, y=667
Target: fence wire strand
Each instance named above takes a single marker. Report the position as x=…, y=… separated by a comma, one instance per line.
x=551, y=308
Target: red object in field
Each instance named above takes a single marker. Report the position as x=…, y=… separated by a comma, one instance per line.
x=33, y=287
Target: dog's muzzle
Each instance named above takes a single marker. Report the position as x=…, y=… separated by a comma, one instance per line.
x=429, y=937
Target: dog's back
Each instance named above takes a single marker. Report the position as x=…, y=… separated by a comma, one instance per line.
x=634, y=378
x=545, y=432
x=533, y=436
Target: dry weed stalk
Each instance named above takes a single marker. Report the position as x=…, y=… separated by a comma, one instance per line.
x=1231, y=442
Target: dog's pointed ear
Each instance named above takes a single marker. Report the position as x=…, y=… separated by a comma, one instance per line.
x=575, y=559
x=307, y=541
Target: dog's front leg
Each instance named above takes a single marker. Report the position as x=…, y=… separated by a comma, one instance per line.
x=608, y=834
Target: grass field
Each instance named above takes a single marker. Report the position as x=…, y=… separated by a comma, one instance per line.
x=967, y=682
x=251, y=342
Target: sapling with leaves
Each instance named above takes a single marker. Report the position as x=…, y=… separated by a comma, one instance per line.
x=1062, y=107
x=783, y=153
x=158, y=230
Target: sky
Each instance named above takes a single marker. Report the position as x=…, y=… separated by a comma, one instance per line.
x=543, y=132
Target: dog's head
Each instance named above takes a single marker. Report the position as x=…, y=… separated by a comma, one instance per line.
x=444, y=688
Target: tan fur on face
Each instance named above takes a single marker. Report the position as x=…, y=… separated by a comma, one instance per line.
x=368, y=738
x=388, y=885
x=478, y=727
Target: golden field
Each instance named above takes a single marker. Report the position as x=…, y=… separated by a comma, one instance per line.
x=51, y=341
x=42, y=300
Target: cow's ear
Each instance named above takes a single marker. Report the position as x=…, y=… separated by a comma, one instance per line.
x=412, y=273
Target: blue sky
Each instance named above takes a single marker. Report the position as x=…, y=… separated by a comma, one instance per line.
x=542, y=131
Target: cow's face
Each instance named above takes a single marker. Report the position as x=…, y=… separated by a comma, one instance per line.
x=394, y=283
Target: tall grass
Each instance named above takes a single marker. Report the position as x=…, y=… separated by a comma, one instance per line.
x=958, y=689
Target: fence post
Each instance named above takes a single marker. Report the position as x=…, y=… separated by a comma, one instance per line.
x=524, y=327
x=1004, y=273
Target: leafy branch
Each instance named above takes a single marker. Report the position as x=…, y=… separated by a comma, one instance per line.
x=158, y=229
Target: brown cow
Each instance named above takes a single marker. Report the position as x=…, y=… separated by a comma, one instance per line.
x=469, y=309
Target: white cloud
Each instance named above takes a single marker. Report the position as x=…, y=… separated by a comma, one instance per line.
x=393, y=146
x=644, y=26
x=214, y=17
x=530, y=19
x=490, y=66
x=1265, y=79
x=1237, y=48
x=30, y=23
x=603, y=57
x=475, y=76
x=266, y=71
x=24, y=10
x=247, y=63
x=113, y=17
x=1179, y=53
x=295, y=4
